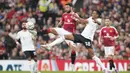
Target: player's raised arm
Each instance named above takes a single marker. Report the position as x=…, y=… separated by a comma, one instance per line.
x=100, y=37
x=80, y=20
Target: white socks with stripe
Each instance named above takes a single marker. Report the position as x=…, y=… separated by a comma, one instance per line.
x=57, y=41
x=33, y=66
x=98, y=61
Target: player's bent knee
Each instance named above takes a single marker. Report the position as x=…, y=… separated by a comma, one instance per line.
x=69, y=37
x=29, y=58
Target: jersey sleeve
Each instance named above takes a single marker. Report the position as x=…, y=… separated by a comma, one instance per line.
x=100, y=33
x=116, y=32
x=62, y=19
x=18, y=36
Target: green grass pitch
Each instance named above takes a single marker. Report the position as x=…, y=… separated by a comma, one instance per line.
x=58, y=72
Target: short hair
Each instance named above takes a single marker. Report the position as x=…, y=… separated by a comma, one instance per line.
x=95, y=11
x=98, y=13
x=69, y=4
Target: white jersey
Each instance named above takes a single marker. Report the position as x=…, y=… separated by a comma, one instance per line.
x=90, y=29
x=26, y=40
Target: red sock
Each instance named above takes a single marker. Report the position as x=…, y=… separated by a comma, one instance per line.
x=48, y=30
x=73, y=52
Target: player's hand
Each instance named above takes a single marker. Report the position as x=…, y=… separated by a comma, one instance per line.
x=99, y=44
x=18, y=44
x=107, y=36
x=112, y=38
x=59, y=24
x=75, y=17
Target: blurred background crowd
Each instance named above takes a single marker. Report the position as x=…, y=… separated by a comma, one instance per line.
x=47, y=13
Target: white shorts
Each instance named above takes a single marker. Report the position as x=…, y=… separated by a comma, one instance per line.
x=61, y=32
x=109, y=50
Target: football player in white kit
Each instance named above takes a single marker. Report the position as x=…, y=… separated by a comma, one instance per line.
x=86, y=37
x=28, y=47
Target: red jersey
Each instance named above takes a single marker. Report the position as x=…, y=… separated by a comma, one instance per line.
x=108, y=31
x=69, y=23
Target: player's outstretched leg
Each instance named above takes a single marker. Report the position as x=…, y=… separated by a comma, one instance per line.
x=98, y=61
x=57, y=41
x=112, y=66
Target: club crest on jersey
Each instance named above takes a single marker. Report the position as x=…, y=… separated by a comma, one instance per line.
x=110, y=30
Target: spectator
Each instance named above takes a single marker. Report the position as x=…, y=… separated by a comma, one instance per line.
x=31, y=18
x=43, y=7
x=9, y=43
x=53, y=11
x=3, y=54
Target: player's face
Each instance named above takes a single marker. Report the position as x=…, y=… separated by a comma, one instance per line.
x=24, y=25
x=67, y=8
x=107, y=22
x=94, y=14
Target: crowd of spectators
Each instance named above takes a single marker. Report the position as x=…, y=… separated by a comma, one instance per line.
x=47, y=13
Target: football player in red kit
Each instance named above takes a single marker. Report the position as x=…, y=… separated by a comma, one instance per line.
x=107, y=36
x=68, y=24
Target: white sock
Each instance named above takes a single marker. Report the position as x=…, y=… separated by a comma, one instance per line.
x=36, y=68
x=57, y=41
x=98, y=61
x=72, y=66
x=32, y=70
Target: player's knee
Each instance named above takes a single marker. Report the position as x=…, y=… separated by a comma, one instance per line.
x=69, y=37
x=29, y=58
x=38, y=51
